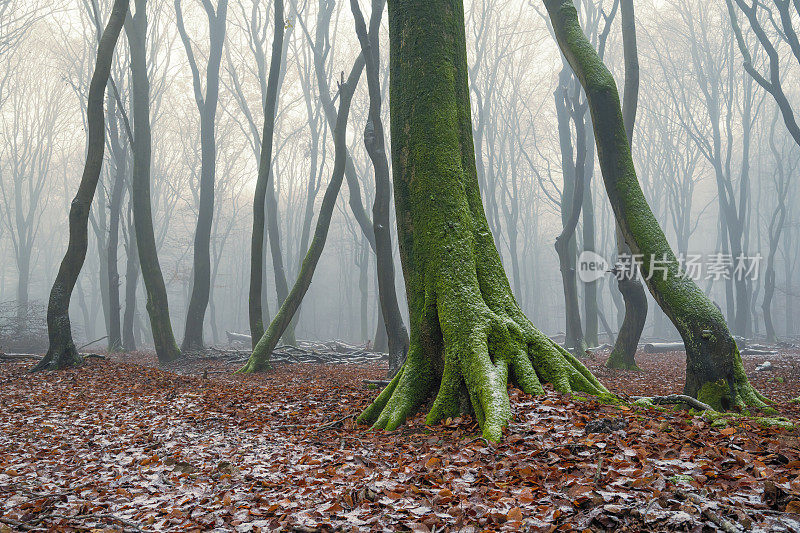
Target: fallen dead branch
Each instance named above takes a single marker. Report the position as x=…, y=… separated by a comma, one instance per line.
x=90, y=343
x=676, y=399
x=661, y=347
x=19, y=356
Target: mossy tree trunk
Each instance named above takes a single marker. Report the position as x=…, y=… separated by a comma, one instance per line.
x=62, y=352
x=623, y=355
x=259, y=359
x=157, y=302
x=714, y=371
x=468, y=335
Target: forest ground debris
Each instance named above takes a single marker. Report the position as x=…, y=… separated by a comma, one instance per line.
x=122, y=443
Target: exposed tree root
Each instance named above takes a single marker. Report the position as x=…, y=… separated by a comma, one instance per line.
x=480, y=358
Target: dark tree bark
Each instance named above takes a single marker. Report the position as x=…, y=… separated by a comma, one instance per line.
x=590, y=307
x=629, y=285
x=119, y=153
x=714, y=371
x=329, y=108
x=776, y=225
x=262, y=189
x=131, y=282
x=207, y=105
x=259, y=359
x=468, y=335
x=571, y=200
x=376, y=148
x=157, y=303
x=62, y=352
x=367, y=227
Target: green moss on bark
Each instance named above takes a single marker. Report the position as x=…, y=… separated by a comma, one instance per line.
x=710, y=349
x=469, y=337
x=619, y=360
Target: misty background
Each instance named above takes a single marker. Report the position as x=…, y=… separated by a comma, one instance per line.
x=703, y=127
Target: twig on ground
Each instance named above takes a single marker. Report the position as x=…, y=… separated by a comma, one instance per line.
x=335, y=423
x=16, y=523
x=18, y=356
x=90, y=343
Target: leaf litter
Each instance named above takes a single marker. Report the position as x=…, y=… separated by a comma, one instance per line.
x=122, y=445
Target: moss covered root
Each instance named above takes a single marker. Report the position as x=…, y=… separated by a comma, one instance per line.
x=469, y=338
x=478, y=364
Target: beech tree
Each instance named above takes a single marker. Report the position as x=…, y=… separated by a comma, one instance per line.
x=375, y=144
x=262, y=187
x=207, y=106
x=157, y=303
x=62, y=352
x=714, y=371
x=259, y=359
x=468, y=335
x=629, y=285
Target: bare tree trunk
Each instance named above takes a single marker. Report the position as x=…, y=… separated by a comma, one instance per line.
x=375, y=145
x=775, y=229
x=264, y=171
x=571, y=201
x=62, y=352
x=157, y=303
x=115, y=209
x=590, y=313
x=259, y=359
x=23, y=283
x=362, y=261
x=329, y=108
x=207, y=105
x=131, y=282
x=628, y=283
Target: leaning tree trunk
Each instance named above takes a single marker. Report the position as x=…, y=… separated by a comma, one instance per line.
x=714, y=371
x=264, y=168
x=207, y=106
x=623, y=355
x=374, y=143
x=468, y=335
x=157, y=303
x=62, y=352
x=259, y=359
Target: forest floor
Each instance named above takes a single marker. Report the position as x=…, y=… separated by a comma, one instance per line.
x=121, y=444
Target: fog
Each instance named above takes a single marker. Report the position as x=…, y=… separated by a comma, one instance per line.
x=713, y=153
